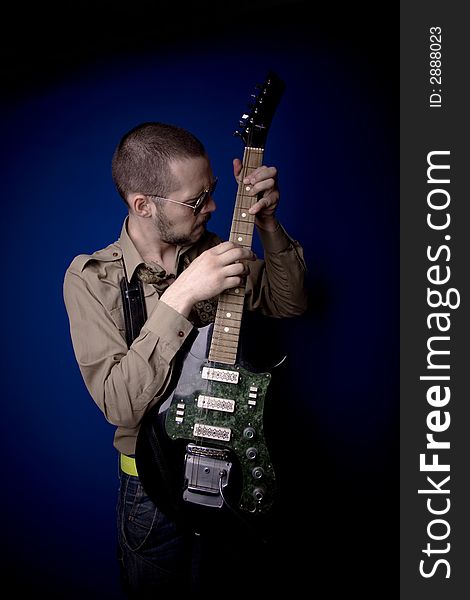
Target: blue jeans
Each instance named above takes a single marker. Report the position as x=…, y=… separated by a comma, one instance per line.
x=156, y=556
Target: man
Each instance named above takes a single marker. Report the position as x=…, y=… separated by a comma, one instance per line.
x=164, y=175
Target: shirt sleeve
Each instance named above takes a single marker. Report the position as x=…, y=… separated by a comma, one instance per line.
x=276, y=285
x=122, y=381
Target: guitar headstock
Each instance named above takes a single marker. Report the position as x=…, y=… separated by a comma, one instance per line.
x=254, y=125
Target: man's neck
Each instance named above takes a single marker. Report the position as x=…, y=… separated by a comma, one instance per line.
x=149, y=245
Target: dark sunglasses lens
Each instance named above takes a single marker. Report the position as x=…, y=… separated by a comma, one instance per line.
x=203, y=198
x=200, y=202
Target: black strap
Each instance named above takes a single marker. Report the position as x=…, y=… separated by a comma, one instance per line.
x=133, y=302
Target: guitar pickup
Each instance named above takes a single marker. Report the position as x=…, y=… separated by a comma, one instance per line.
x=224, y=375
x=222, y=404
x=212, y=432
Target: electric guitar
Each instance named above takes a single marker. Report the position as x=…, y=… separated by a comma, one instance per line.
x=202, y=451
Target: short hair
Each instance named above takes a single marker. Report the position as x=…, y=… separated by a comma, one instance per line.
x=141, y=160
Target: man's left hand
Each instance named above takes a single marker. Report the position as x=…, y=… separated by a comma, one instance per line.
x=262, y=182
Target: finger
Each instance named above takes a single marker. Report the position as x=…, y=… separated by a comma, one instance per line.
x=232, y=252
x=223, y=247
x=261, y=186
x=261, y=173
x=236, y=269
x=237, y=167
x=262, y=204
x=233, y=282
x=237, y=254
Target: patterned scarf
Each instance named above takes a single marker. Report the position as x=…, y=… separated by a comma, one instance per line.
x=202, y=313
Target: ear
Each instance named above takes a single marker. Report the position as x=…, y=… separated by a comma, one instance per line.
x=140, y=205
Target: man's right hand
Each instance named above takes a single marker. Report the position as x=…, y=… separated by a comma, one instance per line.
x=215, y=270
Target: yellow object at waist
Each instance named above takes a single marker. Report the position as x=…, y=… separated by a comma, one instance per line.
x=128, y=465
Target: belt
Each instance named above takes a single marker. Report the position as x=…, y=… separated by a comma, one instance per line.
x=128, y=464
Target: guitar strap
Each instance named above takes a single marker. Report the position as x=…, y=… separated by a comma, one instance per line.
x=133, y=302
x=135, y=315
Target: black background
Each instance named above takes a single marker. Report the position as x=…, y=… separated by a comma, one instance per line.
x=341, y=523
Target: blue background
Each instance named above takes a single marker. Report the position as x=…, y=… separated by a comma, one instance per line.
x=335, y=141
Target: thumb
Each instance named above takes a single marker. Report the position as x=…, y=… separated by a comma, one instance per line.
x=237, y=168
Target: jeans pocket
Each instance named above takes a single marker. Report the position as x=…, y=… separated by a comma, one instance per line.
x=139, y=515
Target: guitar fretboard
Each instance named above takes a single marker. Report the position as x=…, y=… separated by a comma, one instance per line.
x=228, y=318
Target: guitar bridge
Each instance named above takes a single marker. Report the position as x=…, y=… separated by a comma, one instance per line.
x=207, y=471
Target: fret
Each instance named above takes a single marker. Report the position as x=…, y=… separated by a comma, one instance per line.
x=223, y=354
x=232, y=312
x=222, y=350
x=223, y=331
x=245, y=202
x=222, y=335
x=230, y=323
x=218, y=350
x=231, y=303
x=228, y=300
x=226, y=333
x=243, y=210
x=245, y=235
x=242, y=240
x=242, y=217
x=230, y=342
x=235, y=294
x=229, y=314
x=226, y=359
x=243, y=227
x=224, y=345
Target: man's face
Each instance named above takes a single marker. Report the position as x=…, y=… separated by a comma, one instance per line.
x=178, y=224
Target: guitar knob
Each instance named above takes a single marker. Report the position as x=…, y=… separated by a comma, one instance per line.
x=258, y=493
x=257, y=473
x=249, y=433
x=251, y=453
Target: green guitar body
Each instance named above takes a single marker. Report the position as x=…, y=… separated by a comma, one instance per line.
x=202, y=452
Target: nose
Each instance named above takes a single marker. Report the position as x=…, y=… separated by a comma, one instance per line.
x=209, y=206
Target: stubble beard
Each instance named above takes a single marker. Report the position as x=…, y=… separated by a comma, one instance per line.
x=166, y=230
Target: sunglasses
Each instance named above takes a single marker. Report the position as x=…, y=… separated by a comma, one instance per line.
x=195, y=203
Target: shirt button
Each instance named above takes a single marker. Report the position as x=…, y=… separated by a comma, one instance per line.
x=181, y=333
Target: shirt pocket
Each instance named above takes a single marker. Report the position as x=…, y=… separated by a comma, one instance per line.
x=117, y=315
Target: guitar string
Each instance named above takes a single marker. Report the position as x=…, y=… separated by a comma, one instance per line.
x=196, y=463
x=218, y=333
x=203, y=416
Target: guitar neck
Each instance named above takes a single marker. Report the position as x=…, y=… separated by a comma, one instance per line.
x=226, y=334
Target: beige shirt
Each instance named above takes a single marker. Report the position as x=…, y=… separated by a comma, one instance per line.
x=124, y=382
